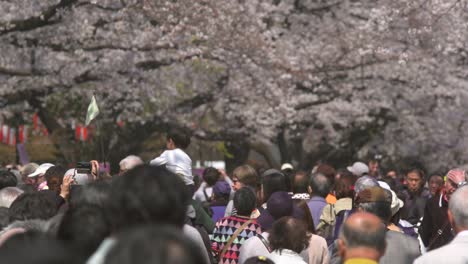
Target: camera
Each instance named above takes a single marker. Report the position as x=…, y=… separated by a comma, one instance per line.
x=83, y=167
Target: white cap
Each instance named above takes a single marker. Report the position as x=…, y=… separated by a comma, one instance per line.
x=358, y=169
x=287, y=166
x=80, y=178
x=41, y=169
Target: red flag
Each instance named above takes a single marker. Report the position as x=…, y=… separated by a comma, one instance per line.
x=35, y=121
x=21, y=134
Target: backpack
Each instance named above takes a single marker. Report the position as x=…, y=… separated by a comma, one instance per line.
x=330, y=231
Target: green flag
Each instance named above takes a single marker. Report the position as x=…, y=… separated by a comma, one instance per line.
x=93, y=111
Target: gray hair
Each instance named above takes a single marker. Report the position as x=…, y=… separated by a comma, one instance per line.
x=130, y=162
x=364, y=182
x=8, y=196
x=457, y=206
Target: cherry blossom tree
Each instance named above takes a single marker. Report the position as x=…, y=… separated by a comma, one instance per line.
x=296, y=80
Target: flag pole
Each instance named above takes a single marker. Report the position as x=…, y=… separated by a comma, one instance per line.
x=98, y=127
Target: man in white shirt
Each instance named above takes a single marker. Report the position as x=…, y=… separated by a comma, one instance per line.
x=456, y=251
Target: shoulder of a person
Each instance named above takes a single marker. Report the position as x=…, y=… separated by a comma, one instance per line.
x=402, y=239
x=318, y=241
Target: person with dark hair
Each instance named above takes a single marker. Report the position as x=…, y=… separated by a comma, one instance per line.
x=415, y=197
x=319, y=188
x=436, y=184
x=147, y=195
x=175, y=159
x=36, y=205
x=205, y=191
x=344, y=190
x=301, y=186
x=154, y=244
x=273, y=181
x=259, y=260
x=7, y=179
x=455, y=252
x=231, y=232
x=362, y=239
x=37, y=248
x=288, y=238
x=54, y=178
x=95, y=193
x=84, y=227
x=435, y=229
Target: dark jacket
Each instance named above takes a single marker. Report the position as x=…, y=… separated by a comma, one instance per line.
x=414, y=206
x=435, y=229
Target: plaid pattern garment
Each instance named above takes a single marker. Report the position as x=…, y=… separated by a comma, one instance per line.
x=223, y=231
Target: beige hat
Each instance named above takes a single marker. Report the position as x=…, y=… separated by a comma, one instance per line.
x=397, y=204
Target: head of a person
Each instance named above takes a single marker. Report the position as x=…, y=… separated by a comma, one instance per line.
x=37, y=177
x=455, y=179
x=54, y=177
x=37, y=248
x=415, y=179
x=373, y=167
x=96, y=193
x=458, y=213
x=392, y=174
x=319, y=185
x=273, y=181
x=211, y=176
x=221, y=191
x=289, y=233
x=436, y=183
x=344, y=186
x=300, y=182
x=280, y=204
x=245, y=201
x=364, y=182
x=362, y=236
x=8, y=195
x=177, y=138
x=28, y=169
x=328, y=171
x=375, y=200
x=7, y=179
x=129, y=162
x=244, y=175
x=147, y=195
x=154, y=244
x=258, y=260
x=84, y=227
x=35, y=205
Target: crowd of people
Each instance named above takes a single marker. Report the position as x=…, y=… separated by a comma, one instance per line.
x=161, y=212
